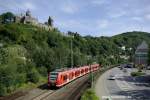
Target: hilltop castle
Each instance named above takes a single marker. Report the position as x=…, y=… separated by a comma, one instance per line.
x=28, y=19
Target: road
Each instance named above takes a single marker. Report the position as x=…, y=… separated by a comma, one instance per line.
x=124, y=87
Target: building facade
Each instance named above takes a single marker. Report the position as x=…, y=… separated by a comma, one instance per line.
x=141, y=54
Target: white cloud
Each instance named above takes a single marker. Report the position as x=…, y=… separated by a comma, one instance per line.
x=102, y=24
x=99, y=2
x=147, y=16
x=136, y=18
x=118, y=14
x=69, y=8
x=71, y=24
x=29, y=5
x=15, y=6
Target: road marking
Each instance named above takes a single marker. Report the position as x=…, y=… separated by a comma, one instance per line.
x=104, y=83
x=123, y=85
x=116, y=97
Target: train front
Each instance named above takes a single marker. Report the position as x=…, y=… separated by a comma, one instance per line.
x=52, y=79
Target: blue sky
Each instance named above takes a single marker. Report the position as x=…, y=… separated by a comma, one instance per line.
x=87, y=17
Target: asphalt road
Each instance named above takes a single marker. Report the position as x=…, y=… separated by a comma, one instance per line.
x=124, y=87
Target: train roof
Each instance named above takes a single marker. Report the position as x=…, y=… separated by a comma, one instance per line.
x=70, y=69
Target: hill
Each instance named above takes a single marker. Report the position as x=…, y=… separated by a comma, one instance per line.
x=27, y=52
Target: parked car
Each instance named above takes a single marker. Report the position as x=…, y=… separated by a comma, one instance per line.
x=148, y=67
x=128, y=66
x=112, y=77
x=119, y=66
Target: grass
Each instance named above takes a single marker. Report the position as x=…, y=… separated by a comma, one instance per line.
x=30, y=85
x=137, y=74
x=89, y=94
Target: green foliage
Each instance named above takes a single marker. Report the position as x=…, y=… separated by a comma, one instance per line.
x=7, y=78
x=50, y=21
x=42, y=70
x=7, y=17
x=21, y=79
x=137, y=74
x=33, y=75
x=3, y=90
x=89, y=95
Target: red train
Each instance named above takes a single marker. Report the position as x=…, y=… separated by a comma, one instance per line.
x=60, y=77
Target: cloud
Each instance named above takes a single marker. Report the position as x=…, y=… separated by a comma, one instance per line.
x=118, y=14
x=69, y=8
x=102, y=24
x=72, y=25
x=147, y=16
x=136, y=18
x=28, y=5
x=17, y=5
x=99, y=2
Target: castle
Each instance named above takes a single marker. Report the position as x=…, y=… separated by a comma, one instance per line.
x=28, y=19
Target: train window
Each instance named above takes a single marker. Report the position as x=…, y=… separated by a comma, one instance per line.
x=86, y=69
x=70, y=76
x=53, y=75
x=82, y=71
x=65, y=77
x=76, y=73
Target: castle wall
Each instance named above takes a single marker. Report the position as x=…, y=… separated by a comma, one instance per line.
x=28, y=19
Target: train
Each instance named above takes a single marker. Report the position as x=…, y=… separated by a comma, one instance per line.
x=61, y=77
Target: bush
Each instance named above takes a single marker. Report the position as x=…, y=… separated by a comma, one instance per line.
x=42, y=71
x=137, y=74
x=89, y=95
x=3, y=90
x=21, y=79
x=33, y=76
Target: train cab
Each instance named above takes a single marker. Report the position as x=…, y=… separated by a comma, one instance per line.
x=53, y=78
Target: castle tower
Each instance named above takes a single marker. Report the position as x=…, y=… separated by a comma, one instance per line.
x=28, y=13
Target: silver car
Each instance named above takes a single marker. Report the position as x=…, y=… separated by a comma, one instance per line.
x=112, y=77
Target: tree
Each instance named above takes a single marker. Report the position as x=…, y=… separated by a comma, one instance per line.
x=7, y=17
x=33, y=75
x=50, y=21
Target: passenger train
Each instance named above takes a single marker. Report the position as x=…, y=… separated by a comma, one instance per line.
x=61, y=77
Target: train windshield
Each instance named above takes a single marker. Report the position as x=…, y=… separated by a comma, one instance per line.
x=53, y=75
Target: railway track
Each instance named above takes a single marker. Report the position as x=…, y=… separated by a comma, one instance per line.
x=76, y=93
x=71, y=91
x=43, y=95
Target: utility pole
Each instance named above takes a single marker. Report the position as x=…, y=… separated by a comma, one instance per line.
x=91, y=73
x=71, y=52
x=92, y=80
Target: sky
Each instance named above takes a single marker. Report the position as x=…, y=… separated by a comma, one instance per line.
x=87, y=17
